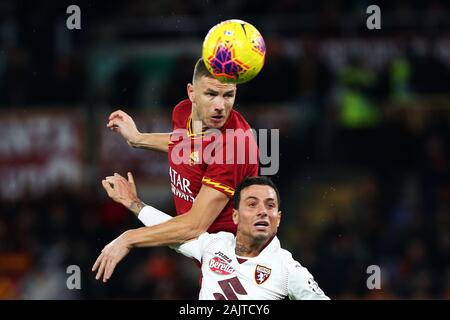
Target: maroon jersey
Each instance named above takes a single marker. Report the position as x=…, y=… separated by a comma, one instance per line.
x=220, y=160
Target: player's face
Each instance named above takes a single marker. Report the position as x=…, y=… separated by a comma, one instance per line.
x=212, y=101
x=258, y=215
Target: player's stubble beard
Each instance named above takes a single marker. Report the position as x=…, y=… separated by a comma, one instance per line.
x=247, y=243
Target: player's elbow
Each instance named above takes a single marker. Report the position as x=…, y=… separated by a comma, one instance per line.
x=193, y=229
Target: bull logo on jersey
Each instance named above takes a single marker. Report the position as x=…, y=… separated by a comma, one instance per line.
x=220, y=266
x=262, y=274
x=194, y=158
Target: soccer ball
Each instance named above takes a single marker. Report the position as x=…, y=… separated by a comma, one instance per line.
x=234, y=51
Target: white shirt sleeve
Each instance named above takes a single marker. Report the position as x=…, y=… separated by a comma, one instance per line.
x=193, y=248
x=150, y=216
x=301, y=284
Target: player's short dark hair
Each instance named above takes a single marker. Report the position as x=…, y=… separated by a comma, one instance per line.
x=250, y=181
x=200, y=71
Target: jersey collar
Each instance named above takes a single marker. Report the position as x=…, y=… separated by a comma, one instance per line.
x=271, y=245
x=191, y=131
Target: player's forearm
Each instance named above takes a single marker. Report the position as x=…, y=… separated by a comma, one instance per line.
x=175, y=231
x=206, y=208
x=151, y=141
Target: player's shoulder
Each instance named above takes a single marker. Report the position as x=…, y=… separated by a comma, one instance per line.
x=237, y=121
x=292, y=266
x=223, y=236
x=287, y=259
x=220, y=238
x=181, y=112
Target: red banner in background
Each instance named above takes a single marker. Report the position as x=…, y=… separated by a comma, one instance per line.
x=39, y=150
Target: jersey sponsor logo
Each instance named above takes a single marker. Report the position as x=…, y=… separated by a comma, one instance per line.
x=262, y=274
x=220, y=266
x=179, y=182
x=180, y=186
x=176, y=192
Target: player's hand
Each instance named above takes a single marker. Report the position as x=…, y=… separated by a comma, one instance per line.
x=111, y=255
x=122, y=123
x=123, y=191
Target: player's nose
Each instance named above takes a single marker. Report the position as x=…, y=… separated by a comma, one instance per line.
x=219, y=106
x=262, y=212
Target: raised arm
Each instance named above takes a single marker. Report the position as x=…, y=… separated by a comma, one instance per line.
x=122, y=123
x=207, y=206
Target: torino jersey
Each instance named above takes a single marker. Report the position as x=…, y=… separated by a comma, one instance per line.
x=272, y=275
x=197, y=159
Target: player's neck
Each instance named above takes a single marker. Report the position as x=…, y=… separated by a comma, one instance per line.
x=197, y=124
x=247, y=247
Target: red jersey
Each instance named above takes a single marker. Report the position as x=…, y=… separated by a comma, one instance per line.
x=220, y=162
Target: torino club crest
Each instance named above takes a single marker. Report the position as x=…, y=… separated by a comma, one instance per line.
x=262, y=274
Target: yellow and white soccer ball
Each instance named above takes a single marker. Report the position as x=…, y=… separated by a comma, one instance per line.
x=234, y=51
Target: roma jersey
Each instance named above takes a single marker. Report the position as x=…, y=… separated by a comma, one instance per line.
x=219, y=159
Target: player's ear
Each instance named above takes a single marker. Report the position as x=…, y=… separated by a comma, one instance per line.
x=235, y=216
x=190, y=91
x=279, y=219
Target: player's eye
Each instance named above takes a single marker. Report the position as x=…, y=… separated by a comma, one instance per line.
x=252, y=204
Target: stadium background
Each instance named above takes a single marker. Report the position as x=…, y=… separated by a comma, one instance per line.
x=364, y=139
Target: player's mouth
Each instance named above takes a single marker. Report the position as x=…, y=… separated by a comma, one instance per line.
x=217, y=118
x=261, y=225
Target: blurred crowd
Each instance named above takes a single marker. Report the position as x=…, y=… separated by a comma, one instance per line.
x=364, y=143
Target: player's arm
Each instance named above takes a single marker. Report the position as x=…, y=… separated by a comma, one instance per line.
x=205, y=209
x=207, y=206
x=194, y=248
x=301, y=284
x=124, y=192
x=122, y=123
x=150, y=216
